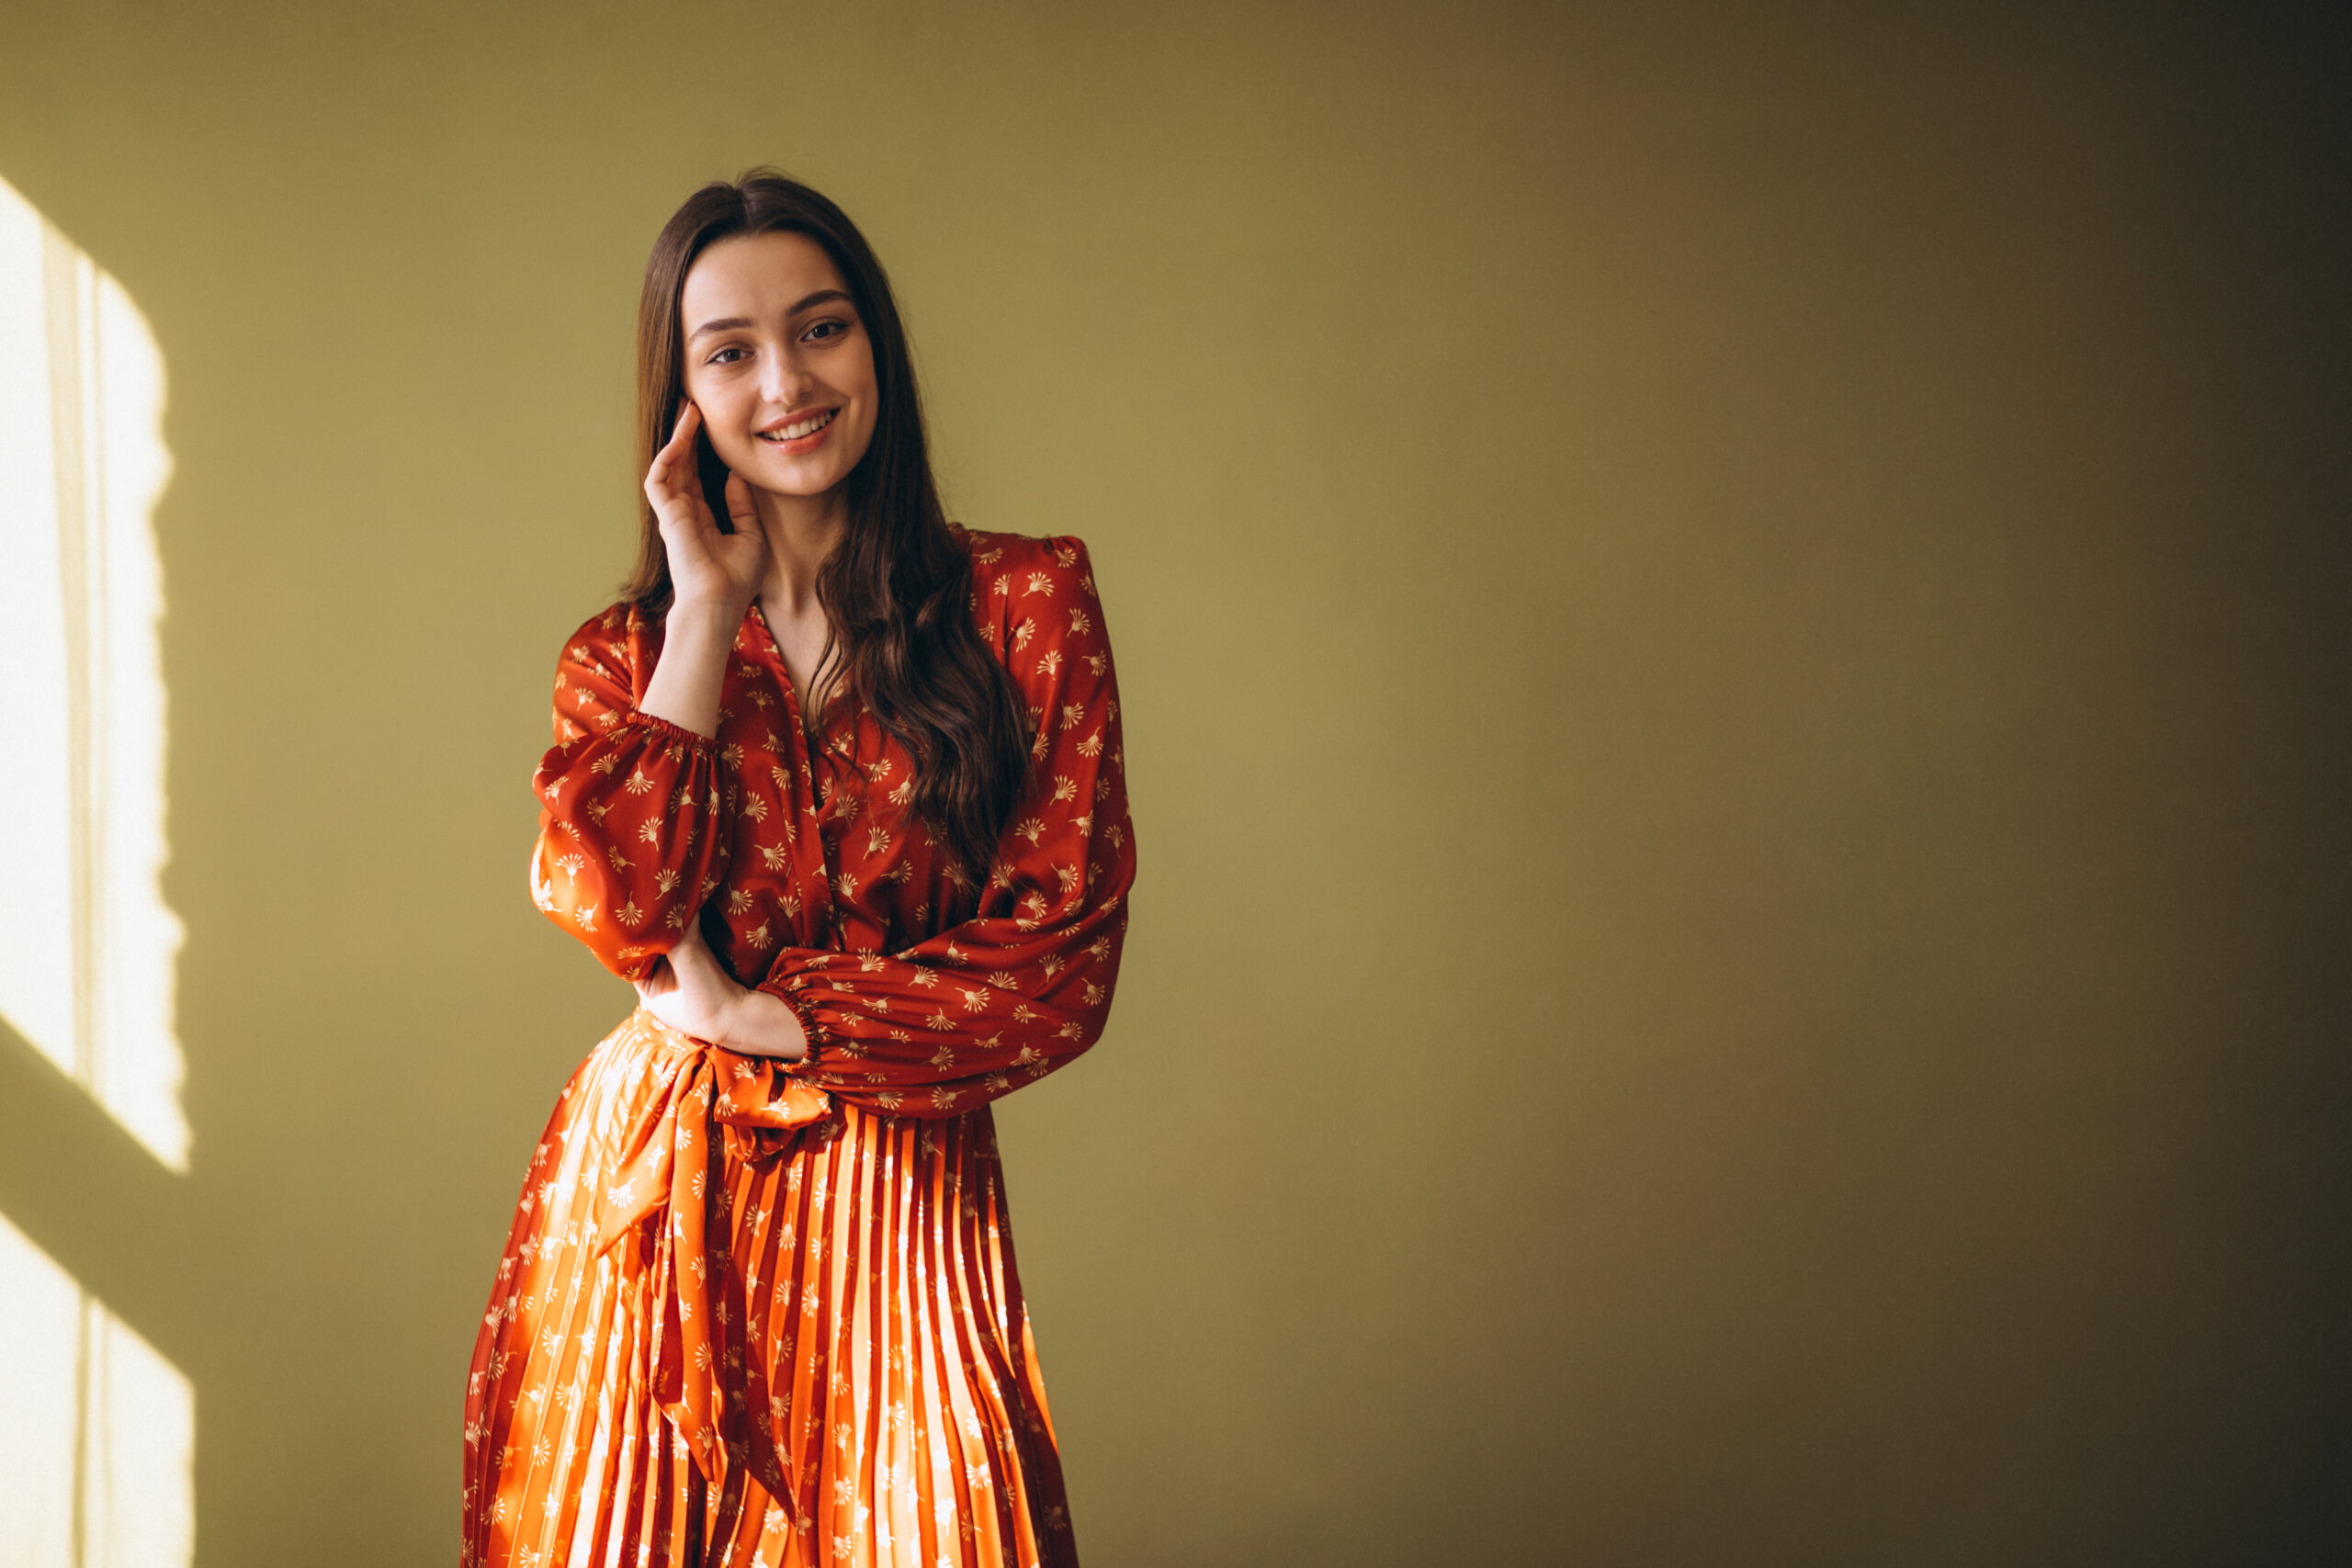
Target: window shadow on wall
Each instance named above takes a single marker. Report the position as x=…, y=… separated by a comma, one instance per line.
x=236, y=1301
x=96, y=1409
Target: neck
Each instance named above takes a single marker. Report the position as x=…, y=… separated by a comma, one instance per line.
x=801, y=532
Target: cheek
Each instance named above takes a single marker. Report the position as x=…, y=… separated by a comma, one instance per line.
x=864, y=434
x=721, y=416
x=711, y=395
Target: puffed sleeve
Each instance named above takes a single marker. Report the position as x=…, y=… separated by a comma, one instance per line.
x=1003, y=999
x=631, y=807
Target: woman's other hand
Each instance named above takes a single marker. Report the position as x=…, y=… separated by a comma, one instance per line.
x=694, y=995
x=709, y=569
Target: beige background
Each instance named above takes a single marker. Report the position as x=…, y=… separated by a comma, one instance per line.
x=1734, y=629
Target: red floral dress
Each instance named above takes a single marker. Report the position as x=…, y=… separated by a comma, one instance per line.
x=752, y=1311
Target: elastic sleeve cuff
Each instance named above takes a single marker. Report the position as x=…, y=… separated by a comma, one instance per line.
x=813, y=1031
x=677, y=732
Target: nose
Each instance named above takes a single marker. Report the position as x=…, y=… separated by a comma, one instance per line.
x=783, y=377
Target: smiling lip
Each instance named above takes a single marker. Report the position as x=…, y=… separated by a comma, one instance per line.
x=806, y=441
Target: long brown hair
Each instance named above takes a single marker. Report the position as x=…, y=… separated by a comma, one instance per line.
x=897, y=589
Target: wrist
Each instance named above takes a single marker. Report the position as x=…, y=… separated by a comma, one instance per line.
x=727, y=1022
x=705, y=612
x=761, y=1024
x=692, y=665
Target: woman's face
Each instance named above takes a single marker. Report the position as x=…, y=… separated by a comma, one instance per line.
x=779, y=362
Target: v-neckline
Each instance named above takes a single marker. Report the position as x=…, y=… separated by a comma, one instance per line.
x=806, y=742
x=793, y=694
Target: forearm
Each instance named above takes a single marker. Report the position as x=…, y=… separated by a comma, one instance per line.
x=978, y=999
x=684, y=687
x=690, y=992
x=754, y=1024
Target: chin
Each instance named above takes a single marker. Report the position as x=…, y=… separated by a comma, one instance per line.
x=801, y=484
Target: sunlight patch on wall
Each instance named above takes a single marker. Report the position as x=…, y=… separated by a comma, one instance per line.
x=88, y=946
x=97, y=1432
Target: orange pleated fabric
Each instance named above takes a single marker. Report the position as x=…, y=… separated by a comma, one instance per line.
x=756, y=1313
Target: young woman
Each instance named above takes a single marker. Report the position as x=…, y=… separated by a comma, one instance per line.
x=838, y=785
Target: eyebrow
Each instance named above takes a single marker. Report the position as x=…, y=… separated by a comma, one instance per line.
x=731, y=323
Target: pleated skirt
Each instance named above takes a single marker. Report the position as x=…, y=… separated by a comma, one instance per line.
x=739, y=1323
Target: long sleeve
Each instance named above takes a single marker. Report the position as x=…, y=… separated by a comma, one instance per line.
x=1000, y=999
x=632, y=807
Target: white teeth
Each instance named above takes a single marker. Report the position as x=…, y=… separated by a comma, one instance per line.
x=795, y=432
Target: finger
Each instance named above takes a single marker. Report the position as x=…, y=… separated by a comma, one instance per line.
x=673, y=486
x=677, y=453
x=740, y=510
x=681, y=433
x=660, y=485
x=669, y=452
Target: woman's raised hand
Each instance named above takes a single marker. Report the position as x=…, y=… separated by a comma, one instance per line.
x=708, y=569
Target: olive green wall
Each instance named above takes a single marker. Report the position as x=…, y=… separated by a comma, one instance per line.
x=1734, y=623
